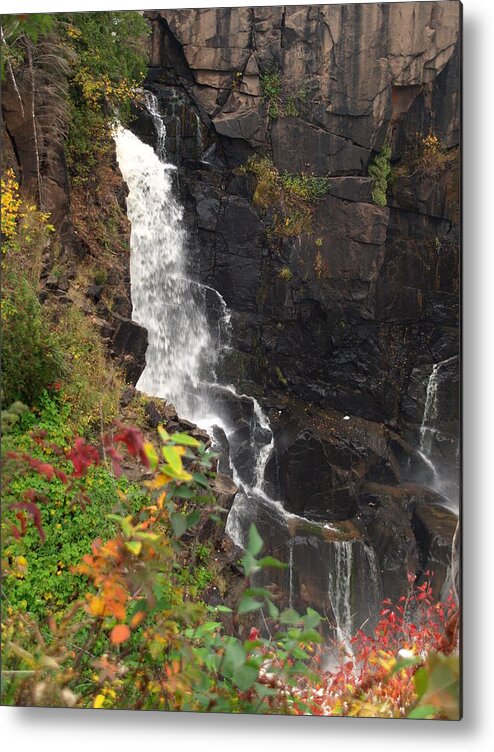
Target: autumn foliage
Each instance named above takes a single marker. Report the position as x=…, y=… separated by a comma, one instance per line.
x=138, y=637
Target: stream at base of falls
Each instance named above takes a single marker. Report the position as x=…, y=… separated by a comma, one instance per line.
x=340, y=578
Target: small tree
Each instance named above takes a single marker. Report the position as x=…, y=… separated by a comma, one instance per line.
x=380, y=170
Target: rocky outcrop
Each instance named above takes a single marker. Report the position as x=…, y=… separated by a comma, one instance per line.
x=130, y=343
x=377, y=294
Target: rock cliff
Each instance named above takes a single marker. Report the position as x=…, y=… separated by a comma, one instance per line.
x=350, y=315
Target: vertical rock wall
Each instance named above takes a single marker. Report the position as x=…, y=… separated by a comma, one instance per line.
x=346, y=319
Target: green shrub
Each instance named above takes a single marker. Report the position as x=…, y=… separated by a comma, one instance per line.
x=100, y=277
x=285, y=274
x=280, y=103
x=31, y=356
x=111, y=57
x=380, y=170
x=125, y=627
x=91, y=384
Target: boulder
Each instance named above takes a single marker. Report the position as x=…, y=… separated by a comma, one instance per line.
x=130, y=343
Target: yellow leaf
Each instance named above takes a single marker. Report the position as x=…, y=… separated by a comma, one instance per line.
x=134, y=547
x=151, y=454
x=97, y=606
x=172, y=455
x=99, y=701
x=158, y=482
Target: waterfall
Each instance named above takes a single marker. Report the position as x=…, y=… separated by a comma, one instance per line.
x=340, y=588
x=182, y=356
x=183, y=347
x=151, y=104
x=430, y=436
x=430, y=412
x=163, y=299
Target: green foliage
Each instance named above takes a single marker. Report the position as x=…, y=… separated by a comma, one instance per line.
x=100, y=277
x=380, y=170
x=290, y=198
x=90, y=385
x=31, y=357
x=15, y=30
x=285, y=274
x=437, y=685
x=279, y=102
x=271, y=82
x=137, y=636
x=111, y=55
x=11, y=416
x=307, y=187
x=279, y=375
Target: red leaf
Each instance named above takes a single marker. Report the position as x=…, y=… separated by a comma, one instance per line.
x=116, y=459
x=134, y=441
x=33, y=510
x=82, y=456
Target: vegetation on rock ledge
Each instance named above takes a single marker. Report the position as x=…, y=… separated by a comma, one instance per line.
x=289, y=198
x=380, y=170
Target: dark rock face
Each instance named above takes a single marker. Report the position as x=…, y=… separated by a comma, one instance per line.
x=379, y=294
x=130, y=343
x=434, y=528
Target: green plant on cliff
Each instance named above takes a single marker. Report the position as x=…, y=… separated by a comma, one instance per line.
x=285, y=274
x=280, y=103
x=111, y=56
x=426, y=156
x=15, y=30
x=380, y=171
x=290, y=199
x=31, y=356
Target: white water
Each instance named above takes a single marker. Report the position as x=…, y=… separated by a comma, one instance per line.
x=163, y=298
x=182, y=351
x=430, y=413
x=152, y=107
x=447, y=487
x=340, y=588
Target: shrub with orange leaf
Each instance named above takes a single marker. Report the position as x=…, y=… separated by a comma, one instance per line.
x=137, y=639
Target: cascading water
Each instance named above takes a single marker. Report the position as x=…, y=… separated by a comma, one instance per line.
x=180, y=354
x=183, y=349
x=339, y=588
x=430, y=435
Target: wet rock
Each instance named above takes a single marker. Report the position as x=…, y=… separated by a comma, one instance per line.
x=434, y=527
x=121, y=306
x=105, y=329
x=153, y=415
x=389, y=530
x=224, y=490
